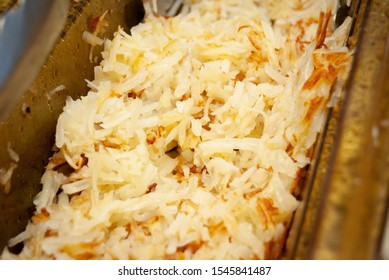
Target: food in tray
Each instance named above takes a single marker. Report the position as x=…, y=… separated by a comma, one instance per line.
x=193, y=137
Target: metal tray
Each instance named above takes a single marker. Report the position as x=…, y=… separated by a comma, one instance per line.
x=345, y=192
x=345, y=197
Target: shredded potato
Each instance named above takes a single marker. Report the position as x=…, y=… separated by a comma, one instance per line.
x=193, y=136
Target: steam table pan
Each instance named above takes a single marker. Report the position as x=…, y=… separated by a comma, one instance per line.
x=344, y=197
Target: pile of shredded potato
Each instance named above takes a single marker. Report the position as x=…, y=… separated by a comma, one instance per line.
x=193, y=137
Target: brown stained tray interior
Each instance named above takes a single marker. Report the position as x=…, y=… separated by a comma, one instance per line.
x=30, y=128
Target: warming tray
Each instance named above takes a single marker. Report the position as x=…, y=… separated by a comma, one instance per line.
x=345, y=191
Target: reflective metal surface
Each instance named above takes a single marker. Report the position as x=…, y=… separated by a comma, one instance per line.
x=165, y=7
x=28, y=32
x=29, y=129
x=345, y=209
